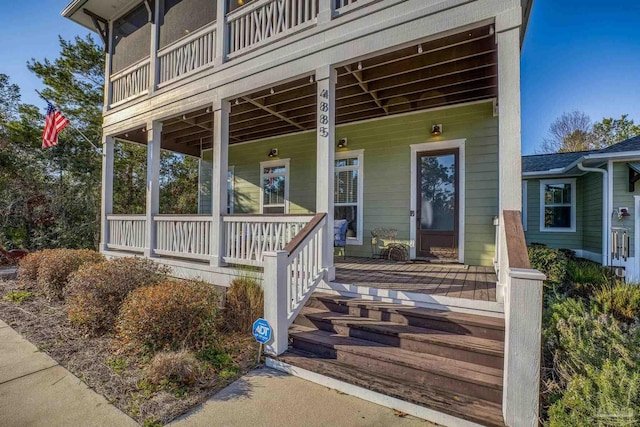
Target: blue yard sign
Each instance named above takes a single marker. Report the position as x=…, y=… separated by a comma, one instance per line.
x=262, y=331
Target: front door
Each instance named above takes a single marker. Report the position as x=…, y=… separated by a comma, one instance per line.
x=437, y=205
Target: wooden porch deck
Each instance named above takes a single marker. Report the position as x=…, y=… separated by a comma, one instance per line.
x=451, y=280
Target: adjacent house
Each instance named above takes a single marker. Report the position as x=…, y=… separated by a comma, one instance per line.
x=587, y=202
x=397, y=118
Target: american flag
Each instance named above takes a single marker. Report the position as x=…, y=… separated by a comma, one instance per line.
x=53, y=125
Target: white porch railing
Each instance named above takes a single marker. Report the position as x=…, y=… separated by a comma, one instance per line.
x=266, y=19
x=290, y=277
x=127, y=232
x=130, y=82
x=187, y=55
x=523, y=322
x=183, y=236
x=247, y=238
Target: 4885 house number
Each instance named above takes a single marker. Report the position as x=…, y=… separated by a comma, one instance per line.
x=323, y=118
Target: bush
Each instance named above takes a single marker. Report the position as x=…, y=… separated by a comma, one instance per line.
x=56, y=265
x=620, y=300
x=586, y=277
x=95, y=292
x=174, y=367
x=28, y=267
x=244, y=304
x=170, y=316
x=551, y=262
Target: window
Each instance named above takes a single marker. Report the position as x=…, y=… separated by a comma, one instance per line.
x=558, y=205
x=348, y=193
x=274, y=185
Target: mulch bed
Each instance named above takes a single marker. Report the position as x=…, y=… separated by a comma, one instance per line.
x=45, y=324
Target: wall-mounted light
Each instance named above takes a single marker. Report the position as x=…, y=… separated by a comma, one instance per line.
x=436, y=130
x=273, y=152
x=342, y=142
x=622, y=213
x=420, y=50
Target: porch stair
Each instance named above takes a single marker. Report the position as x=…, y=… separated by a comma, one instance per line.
x=445, y=361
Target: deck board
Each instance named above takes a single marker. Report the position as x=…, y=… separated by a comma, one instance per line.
x=451, y=280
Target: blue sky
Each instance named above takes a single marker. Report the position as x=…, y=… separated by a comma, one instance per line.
x=582, y=55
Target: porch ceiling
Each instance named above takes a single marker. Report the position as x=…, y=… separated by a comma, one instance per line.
x=446, y=71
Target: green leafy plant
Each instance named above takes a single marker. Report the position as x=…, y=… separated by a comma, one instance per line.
x=117, y=364
x=621, y=300
x=18, y=297
x=551, y=262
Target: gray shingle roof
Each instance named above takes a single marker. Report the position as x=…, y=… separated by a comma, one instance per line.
x=545, y=162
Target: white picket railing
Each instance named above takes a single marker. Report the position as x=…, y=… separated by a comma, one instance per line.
x=183, y=236
x=130, y=82
x=290, y=277
x=266, y=19
x=187, y=55
x=343, y=3
x=248, y=237
x=127, y=232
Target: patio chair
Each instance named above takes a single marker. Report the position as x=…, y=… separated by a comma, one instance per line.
x=340, y=236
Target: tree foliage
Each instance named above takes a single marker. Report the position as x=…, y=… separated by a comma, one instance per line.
x=51, y=198
x=575, y=131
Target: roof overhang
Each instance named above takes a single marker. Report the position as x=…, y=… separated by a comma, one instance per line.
x=589, y=160
x=106, y=9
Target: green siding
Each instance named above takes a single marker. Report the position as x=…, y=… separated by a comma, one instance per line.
x=387, y=172
x=623, y=198
x=554, y=239
x=592, y=213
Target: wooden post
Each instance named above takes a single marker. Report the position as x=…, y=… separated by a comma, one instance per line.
x=220, y=167
x=326, y=78
x=107, y=189
x=275, y=300
x=222, y=34
x=522, y=346
x=509, y=139
x=154, y=138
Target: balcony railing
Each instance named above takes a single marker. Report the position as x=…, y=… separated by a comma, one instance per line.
x=127, y=232
x=189, y=54
x=184, y=236
x=130, y=82
x=267, y=20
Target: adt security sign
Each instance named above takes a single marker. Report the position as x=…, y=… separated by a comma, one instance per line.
x=261, y=331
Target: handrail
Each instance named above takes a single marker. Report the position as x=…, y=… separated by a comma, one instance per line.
x=188, y=38
x=130, y=68
x=304, y=233
x=516, y=245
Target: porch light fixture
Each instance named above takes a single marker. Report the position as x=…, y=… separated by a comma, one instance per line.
x=272, y=91
x=342, y=142
x=273, y=152
x=359, y=65
x=420, y=48
x=436, y=130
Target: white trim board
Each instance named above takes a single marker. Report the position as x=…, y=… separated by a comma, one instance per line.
x=371, y=396
x=437, y=146
x=287, y=169
x=574, y=205
x=359, y=154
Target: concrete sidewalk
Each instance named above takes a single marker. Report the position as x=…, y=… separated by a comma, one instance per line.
x=36, y=391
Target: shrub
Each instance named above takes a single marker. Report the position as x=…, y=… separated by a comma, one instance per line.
x=244, y=304
x=603, y=396
x=620, y=300
x=171, y=316
x=95, y=292
x=586, y=277
x=174, y=367
x=28, y=267
x=56, y=265
x=552, y=262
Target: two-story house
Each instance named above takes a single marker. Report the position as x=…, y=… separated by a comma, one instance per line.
x=392, y=119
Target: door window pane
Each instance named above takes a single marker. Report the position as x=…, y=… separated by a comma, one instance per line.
x=438, y=192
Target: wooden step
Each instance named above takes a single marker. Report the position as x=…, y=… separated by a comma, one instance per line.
x=465, y=348
x=405, y=366
x=456, y=404
x=449, y=321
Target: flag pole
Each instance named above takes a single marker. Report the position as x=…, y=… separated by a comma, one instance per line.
x=70, y=122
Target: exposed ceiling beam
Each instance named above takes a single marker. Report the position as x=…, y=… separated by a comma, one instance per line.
x=261, y=105
x=363, y=85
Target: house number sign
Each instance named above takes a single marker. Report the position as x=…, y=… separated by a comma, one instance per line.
x=323, y=118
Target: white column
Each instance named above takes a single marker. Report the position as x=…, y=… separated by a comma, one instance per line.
x=154, y=138
x=107, y=189
x=275, y=300
x=220, y=167
x=108, y=87
x=509, y=143
x=326, y=78
x=222, y=34
x=325, y=11
x=155, y=34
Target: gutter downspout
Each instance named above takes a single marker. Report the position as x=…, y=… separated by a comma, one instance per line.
x=605, y=210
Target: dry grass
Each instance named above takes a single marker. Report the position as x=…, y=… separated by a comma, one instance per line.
x=175, y=367
x=121, y=380
x=244, y=304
